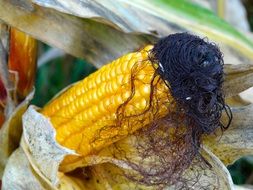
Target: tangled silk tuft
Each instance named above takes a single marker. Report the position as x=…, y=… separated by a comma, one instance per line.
x=192, y=68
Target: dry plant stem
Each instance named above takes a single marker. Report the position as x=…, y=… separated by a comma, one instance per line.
x=4, y=35
x=4, y=73
x=4, y=53
x=22, y=62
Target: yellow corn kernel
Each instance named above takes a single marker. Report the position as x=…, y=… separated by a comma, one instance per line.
x=85, y=116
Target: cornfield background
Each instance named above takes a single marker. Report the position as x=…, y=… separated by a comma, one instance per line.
x=60, y=66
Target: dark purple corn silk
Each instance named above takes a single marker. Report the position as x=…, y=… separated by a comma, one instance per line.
x=193, y=69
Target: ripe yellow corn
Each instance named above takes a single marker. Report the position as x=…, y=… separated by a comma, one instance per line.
x=85, y=116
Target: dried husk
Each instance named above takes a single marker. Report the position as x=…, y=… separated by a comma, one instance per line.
x=11, y=132
x=41, y=156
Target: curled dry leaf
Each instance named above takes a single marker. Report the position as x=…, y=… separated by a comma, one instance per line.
x=237, y=140
x=215, y=177
x=68, y=182
x=23, y=4
x=92, y=30
x=237, y=79
x=35, y=164
x=11, y=132
x=96, y=42
x=40, y=153
x=245, y=187
x=39, y=136
x=108, y=168
x=247, y=95
x=108, y=175
x=149, y=15
x=237, y=101
x=19, y=175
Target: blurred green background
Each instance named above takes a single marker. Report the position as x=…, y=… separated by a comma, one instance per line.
x=57, y=73
x=60, y=70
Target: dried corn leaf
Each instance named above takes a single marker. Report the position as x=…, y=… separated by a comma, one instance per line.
x=245, y=187
x=93, y=29
x=11, y=132
x=23, y=4
x=247, y=95
x=237, y=101
x=215, y=177
x=104, y=172
x=109, y=176
x=73, y=183
x=43, y=150
x=22, y=174
x=19, y=174
x=107, y=169
x=237, y=79
x=181, y=12
x=96, y=42
x=237, y=140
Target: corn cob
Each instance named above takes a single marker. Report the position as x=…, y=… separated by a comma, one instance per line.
x=85, y=115
x=132, y=92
